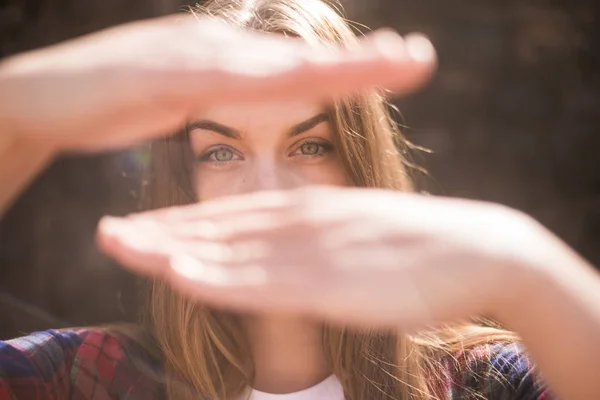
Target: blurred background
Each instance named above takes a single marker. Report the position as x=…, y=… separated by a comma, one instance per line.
x=511, y=116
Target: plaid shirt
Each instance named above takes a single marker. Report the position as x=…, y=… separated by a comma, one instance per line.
x=88, y=364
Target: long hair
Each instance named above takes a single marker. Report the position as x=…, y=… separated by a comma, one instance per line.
x=204, y=351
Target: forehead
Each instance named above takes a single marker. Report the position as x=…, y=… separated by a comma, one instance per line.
x=271, y=113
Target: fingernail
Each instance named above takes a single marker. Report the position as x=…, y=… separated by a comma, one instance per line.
x=111, y=226
x=419, y=48
x=390, y=44
x=125, y=233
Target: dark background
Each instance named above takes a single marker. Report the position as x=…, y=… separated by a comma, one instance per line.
x=511, y=117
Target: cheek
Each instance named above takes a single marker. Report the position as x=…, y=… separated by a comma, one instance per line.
x=326, y=173
x=214, y=184
x=267, y=175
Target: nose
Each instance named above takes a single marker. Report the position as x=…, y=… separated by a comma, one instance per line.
x=268, y=174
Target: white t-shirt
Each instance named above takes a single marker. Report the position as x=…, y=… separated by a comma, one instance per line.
x=329, y=389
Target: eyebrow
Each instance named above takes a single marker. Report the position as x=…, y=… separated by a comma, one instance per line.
x=235, y=134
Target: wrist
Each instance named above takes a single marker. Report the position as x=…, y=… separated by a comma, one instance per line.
x=519, y=271
x=558, y=318
x=20, y=89
x=538, y=261
x=9, y=95
x=21, y=155
x=20, y=160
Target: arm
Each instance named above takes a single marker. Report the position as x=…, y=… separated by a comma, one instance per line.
x=117, y=87
x=20, y=161
x=560, y=321
x=442, y=260
x=21, y=158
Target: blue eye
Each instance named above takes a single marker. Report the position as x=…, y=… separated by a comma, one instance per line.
x=223, y=155
x=313, y=149
x=219, y=154
x=310, y=149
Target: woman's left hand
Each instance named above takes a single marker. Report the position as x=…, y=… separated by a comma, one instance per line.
x=347, y=255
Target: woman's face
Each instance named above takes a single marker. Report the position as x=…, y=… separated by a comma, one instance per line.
x=263, y=146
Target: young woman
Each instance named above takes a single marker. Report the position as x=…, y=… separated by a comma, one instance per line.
x=260, y=253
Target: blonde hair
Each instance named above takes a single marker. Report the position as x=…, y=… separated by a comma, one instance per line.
x=203, y=350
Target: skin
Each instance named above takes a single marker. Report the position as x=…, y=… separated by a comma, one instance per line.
x=265, y=237
x=438, y=259
x=244, y=148
x=129, y=83
x=279, y=146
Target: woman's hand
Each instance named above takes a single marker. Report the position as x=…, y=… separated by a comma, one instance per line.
x=378, y=258
x=348, y=255
x=143, y=79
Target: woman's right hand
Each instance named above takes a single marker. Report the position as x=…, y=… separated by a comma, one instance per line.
x=142, y=79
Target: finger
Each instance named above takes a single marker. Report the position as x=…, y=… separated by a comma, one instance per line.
x=248, y=288
x=203, y=281
x=143, y=251
x=268, y=201
x=419, y=69
x=228, y=228
x=265, y=201
x=383, y=59
x=258, y=66
x=197, y=271
x=148, y=247
x=200, y=278
x=143, y=243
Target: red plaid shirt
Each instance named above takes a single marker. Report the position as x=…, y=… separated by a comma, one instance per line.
x=87, y=364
